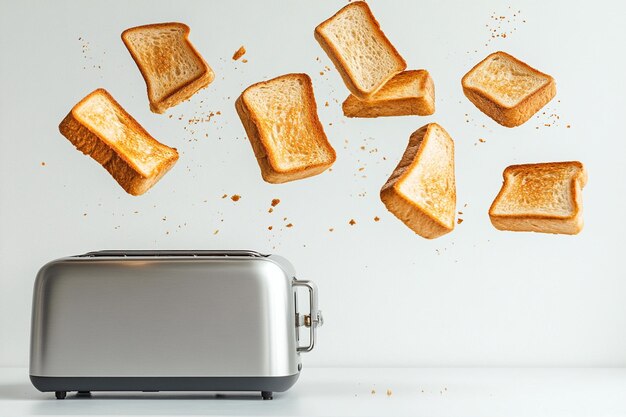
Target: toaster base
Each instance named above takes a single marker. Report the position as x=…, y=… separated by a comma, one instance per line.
x=265, y=384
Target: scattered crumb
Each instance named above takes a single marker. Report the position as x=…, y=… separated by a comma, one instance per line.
x=270, y=210
x=239, y=53
x=373, y=391
x=481, y=140
x=84, y=214
x=235, y=197
x=459, y=221
x=568, y=126
x=321, y=72
x=389, y=393
x=216, y=231
x=289, y=225
x=275, y=202
x=352, y=222
x=43, y=164
x=460, y=212
x=270, y=227
x=376, y=219
x=326, y=104
x=245, y=61
x=225, y=195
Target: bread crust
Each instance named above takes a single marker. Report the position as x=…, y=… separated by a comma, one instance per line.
x=500, y=112
x=422, y=105
x=120, y=167
x=185, y=91
x=340, y=63
x=270, y=169
x=410, y=213
x=542, y=223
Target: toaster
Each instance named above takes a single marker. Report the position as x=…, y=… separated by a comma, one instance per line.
x=170, y=321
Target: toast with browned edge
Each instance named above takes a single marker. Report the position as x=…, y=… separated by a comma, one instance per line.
x=99, y=127
x=507, y=89
x=408, y=93
x=171, y=67
x=544, y=197
x=359, y=49
x=421, y=191
x=280, y=119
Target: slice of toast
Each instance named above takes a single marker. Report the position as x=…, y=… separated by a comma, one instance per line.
x=507, y=90
x=362, y=54
x=170, y=65
x=280, y=119
x=408, y=93
x=99, y=127
x=545, y=198
x=421, y=191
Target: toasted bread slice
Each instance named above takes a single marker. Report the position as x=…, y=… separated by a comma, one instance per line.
x=421, y=191
x=170, y=65
x=507, y=90
x=545, y=198
x=408, y=93
x=362, y=54
x=280, y=118
x=99, y=127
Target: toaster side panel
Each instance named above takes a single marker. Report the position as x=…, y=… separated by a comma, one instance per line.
x=163, y=318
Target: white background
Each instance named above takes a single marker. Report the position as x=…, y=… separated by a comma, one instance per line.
x=474, y=297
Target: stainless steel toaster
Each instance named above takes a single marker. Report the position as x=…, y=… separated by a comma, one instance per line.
x=170, y=321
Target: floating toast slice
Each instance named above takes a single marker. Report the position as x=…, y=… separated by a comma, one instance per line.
x=545, y=198
x=99, y=127
x=170, y=65
x=408, y=93
x=362, y=54
x=280, y=118
x=421, y=191
x=507, y=90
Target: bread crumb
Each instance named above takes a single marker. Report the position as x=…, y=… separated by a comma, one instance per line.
x=481, y=140
x=373, y=391
x=321, y=72
x=352, y=222
x=331, y=229
x=225, y=195
x=460, y=212
x=270, y=210
x=216, y=231
x=84, y=214
x=275, y=202
x=326, y=104
x=43, y=164
x=270, y=227
x=376, y=219
x=235, y=197
x=459, y=221
x=290, y=225
x=568, y=126
x=245, y=61
x=239, y=53
x=389, y=393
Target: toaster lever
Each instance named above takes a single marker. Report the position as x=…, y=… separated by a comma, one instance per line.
x=314, y=319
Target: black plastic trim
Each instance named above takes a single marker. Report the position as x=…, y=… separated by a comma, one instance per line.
x=169, y=383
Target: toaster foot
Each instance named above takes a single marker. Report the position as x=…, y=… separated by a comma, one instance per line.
x=267, y=395
x=60, y=395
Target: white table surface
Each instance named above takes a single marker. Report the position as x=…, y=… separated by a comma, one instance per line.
x=348, y=392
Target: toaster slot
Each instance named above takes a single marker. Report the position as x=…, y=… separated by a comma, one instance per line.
x=171, y=254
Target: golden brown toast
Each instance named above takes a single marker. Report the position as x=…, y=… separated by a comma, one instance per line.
x=408, y=93
x=359, y=49
x=99, y=127
x=421, y=191
x=170, y=65
x=507, y=90
x=545, y=197
x=280, y=119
